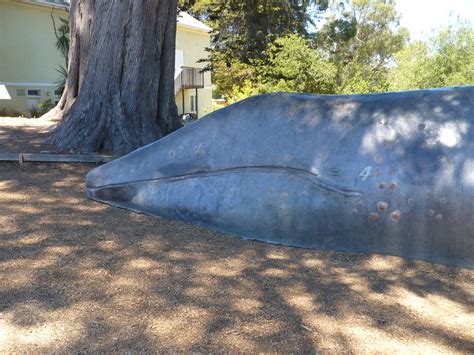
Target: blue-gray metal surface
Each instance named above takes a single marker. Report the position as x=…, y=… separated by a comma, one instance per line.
x=388, y=173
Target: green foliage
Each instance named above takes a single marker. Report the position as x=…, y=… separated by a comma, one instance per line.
x=293, y=66
x=62, y=38
x=62, y=34
x=239, y=93
x=361, y=40
x=244, y=28
x=447, y=59
x=61, y=82
x=243, y=31
x=42, y=108
x=229, y=76
x=267, y=44
x=262, y=46
x=9, y=112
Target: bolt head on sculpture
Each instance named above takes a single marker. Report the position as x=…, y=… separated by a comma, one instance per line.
x=389, y=173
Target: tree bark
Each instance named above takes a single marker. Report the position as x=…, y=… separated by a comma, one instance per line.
x=119, y=92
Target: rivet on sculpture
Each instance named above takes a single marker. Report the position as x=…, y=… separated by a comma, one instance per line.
x=389, y=173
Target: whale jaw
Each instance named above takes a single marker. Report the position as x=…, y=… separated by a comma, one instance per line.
x=276, y=205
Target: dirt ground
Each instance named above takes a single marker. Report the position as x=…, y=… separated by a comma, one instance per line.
x=76, y=275
x=25, y=135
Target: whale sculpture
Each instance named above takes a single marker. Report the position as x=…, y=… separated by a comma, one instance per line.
x=389, y=173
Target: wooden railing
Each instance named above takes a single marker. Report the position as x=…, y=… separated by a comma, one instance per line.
x=188, y=78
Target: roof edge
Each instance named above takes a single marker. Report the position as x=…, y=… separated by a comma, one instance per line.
x=185, y=20
x=46, y=4
x=193, y=28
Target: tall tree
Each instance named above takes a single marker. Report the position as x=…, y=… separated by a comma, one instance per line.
x=294, y=66
x=119, y=92
x=446, y=59
x=244, y=29
x=361, y=39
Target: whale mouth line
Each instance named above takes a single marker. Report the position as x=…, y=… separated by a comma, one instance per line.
x=289, y=171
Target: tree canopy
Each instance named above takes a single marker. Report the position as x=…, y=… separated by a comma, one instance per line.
x=350, y=46
x=361, y=40
x=447, y=59
x=295, y=66
x=244, y=30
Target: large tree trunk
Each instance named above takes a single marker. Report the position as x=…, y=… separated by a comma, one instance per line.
x=119, y=92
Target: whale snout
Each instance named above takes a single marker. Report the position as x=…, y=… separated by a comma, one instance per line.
x=93, y=179
x=111, y=182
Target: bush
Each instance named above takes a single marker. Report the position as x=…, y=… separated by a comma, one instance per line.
x=42, y=108
x=294, y=66
x=239, y=93
x=8, y=112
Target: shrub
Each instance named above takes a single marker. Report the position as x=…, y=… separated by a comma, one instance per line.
x=42, y=108
x=8, y=112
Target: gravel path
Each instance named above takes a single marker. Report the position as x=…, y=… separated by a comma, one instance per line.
x=76, y=275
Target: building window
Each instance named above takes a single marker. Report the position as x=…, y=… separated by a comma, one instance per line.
x=193, y=103
x=34, y=92
x=20, y=92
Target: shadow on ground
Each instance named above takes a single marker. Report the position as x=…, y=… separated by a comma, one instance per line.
x=25, y=135
x=78, y=275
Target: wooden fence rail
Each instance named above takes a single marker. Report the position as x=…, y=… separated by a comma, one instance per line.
x=56, y=158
